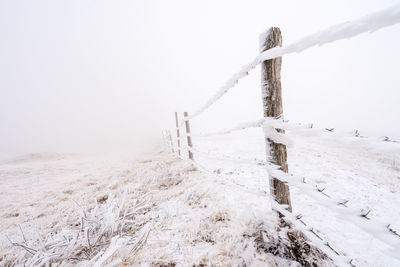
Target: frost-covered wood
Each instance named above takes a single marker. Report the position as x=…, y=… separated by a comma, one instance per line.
x=272, y=105
x=170, y=141
x=177, y=133
x=189, y=138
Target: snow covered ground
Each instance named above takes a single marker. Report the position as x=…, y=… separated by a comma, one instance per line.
x=369, y=178
x=157, y=209
x=94, y=211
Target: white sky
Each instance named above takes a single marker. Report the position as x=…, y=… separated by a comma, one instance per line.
x=86, y=74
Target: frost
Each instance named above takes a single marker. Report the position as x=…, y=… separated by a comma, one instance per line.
x=165, y=211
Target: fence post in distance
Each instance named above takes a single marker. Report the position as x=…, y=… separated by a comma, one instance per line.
x=189, y=138
x=172, y=143
x=177, y=133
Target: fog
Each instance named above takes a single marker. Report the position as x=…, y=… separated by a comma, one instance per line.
x=108, y=75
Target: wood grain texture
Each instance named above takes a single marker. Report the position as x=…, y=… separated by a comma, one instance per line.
x=272, y=106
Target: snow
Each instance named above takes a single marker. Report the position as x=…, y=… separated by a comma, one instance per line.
x=369, y=178
x=163, y=209
x=91, y=210
x=369, y=23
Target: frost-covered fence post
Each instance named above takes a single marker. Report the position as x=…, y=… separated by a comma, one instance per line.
x=189, y=138
x=170, y=141
x=272, y=105
x=177, y=133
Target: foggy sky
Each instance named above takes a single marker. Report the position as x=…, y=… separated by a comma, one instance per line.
x=81, y=75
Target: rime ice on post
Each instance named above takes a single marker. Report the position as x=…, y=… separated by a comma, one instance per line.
x=177, y=133
x=189, y=138
x=272, y=106
x=170, y=141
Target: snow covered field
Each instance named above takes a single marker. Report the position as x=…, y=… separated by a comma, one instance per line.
x=158, y=209
x=368, y=177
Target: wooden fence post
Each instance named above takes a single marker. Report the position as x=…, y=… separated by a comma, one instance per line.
x=170, y=140
x=189, y=138
x=272, y=105
x=177, y=133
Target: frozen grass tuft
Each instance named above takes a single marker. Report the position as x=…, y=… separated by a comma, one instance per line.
x=92, y=237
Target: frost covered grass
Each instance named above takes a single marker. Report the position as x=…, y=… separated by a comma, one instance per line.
x=159, y=211
x=89, y=238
